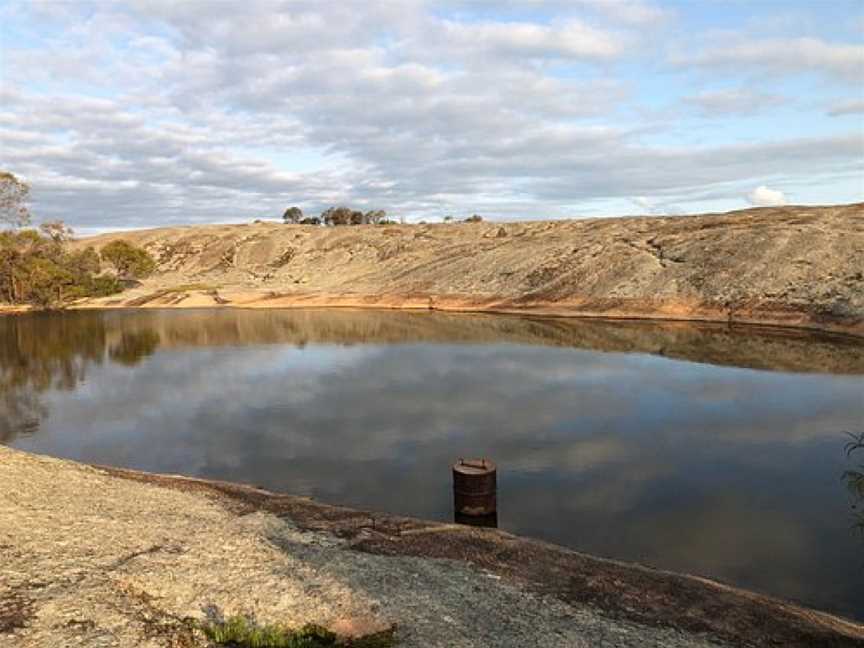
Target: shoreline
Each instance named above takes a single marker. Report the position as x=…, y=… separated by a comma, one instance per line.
x=628, y=595
x=793, y=266
x=212, y=299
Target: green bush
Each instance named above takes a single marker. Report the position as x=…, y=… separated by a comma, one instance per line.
x=37, y=268
x=130, y=262
x=242, y=632
x=104, y=286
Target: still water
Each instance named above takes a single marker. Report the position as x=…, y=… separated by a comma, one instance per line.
x=704, y=449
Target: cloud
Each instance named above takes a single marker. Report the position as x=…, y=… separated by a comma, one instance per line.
x=762, y=196
x=231, y=114
x=626, y=12
x=632, y=12
x=573, y=39
x=654, y=207
x=736, y=101
x=782, y=55
x=849, y=107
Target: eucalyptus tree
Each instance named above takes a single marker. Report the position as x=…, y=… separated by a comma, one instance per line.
x=14, y=200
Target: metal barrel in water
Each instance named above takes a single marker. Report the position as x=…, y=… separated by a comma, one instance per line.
x=475, y=487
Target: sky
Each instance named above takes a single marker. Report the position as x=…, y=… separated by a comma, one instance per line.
x=154, y=112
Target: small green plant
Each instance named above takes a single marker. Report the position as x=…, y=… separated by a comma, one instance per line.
x=244, y=632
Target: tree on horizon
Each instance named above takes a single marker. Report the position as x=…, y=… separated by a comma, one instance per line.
x=293, y=215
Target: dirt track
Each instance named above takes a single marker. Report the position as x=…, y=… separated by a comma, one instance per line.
x=789, y=266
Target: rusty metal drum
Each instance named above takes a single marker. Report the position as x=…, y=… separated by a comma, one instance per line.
x=475, y=487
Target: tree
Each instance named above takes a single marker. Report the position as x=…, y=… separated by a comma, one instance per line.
x=86, y=261
x=37, y=268
x=48, y=281
x=347, y=216
x=335, y=216
x=375, y=216
x=14, y=196
x=57, y=231
x=474, y=219
x=130, y=262
x=311, y=220
x=293, y=215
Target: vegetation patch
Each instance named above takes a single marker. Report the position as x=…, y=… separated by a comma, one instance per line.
x=203, y=287
x=129, y=261
x=15, y=611
x=37, y=266
x=245, y=632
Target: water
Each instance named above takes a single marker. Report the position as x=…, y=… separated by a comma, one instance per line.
x=705, y=450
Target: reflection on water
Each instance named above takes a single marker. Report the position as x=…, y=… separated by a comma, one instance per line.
x=489, y=521
x=855, y=478
x=702, y=449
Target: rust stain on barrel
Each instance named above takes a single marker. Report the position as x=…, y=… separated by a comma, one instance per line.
x=475, y=487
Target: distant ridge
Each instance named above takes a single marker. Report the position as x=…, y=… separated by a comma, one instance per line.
x=786, y=266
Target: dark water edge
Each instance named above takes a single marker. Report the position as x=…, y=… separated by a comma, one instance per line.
x=705, y=449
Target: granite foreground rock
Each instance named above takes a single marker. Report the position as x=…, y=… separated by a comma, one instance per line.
x=107, y=557
x=789, y=266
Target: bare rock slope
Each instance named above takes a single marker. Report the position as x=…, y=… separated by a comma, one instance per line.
x=108, y=557
x=793, y=266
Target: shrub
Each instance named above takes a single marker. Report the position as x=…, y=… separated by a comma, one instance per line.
x=130, y=262
x=243, y=632
x=104, y=286
x=38, y=269
x=335, y=216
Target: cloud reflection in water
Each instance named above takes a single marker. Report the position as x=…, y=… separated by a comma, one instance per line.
x=730, y=472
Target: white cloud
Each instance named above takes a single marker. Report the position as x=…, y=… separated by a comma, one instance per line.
x=184, y=115
x=783, y=55
x=573, y=39
x=644, y=202
x=656, y=207
x=850, y=107
x=762, y=196
x=736, y=101
x=631, y=11
x=626, y=12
